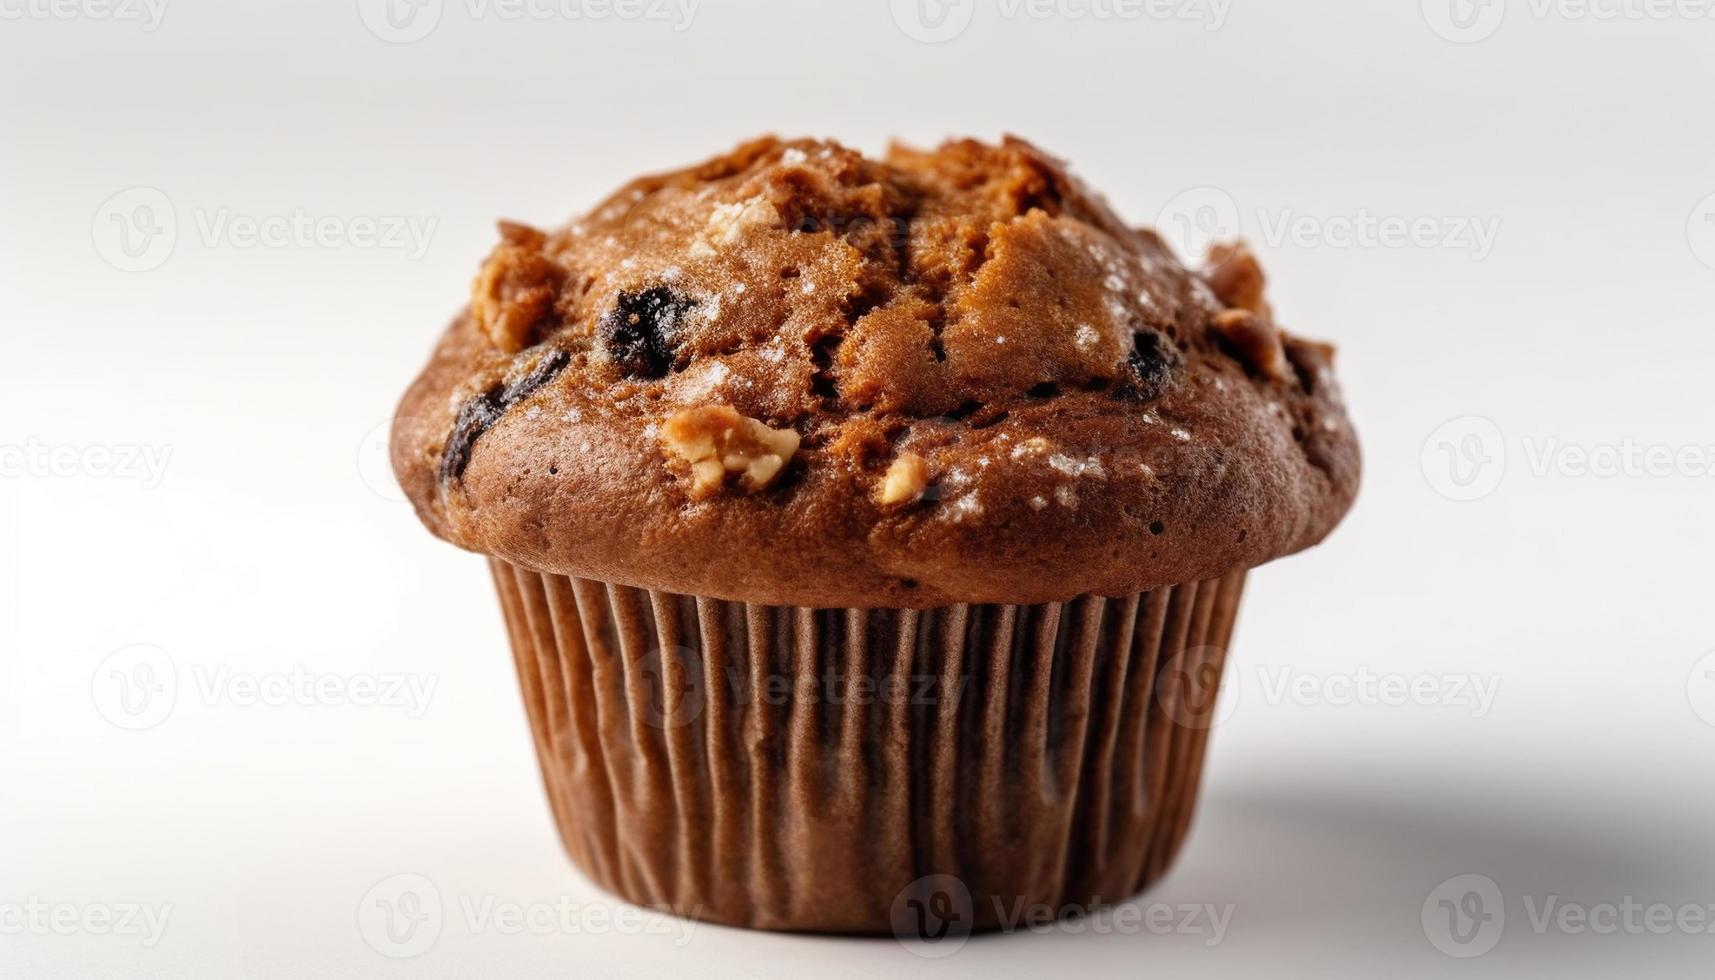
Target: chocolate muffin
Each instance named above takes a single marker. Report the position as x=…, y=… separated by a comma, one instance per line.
x=870, y=526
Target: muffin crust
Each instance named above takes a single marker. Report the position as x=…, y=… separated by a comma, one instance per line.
x=994, y=391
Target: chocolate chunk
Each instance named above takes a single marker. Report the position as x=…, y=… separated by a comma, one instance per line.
x=641, y=331
x=1152, y=361
x=480, y=414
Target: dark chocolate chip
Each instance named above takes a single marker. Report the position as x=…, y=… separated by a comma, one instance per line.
x=480, y=414
x=1152, y=361
x=641, y=331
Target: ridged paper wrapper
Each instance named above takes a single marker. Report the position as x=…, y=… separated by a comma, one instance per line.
x=843, y=770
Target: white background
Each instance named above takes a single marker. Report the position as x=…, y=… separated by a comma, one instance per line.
x=272, y=541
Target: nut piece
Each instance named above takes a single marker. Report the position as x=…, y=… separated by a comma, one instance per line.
x=905, y=481
x=1237, y=279
x=729, y=222
x=716, y=441
x=515, y=290
x=1255, y=341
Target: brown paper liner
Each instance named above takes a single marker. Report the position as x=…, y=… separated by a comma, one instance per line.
x=743, y=764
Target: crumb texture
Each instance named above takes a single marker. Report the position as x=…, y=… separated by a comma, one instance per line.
x=982, y=372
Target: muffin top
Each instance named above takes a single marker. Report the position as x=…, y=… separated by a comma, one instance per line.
x=795, y=375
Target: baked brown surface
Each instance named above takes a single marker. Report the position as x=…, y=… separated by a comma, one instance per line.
x=794, y=375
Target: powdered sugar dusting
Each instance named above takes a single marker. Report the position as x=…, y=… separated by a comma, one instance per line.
x=1117, y=311
x=701, y=383
x=1077, y=468
x=1031, y=446
x=967, y=506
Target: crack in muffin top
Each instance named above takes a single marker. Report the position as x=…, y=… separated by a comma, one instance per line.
x=799, y=374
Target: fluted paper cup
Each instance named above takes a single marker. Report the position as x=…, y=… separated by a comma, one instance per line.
x=824, y=769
